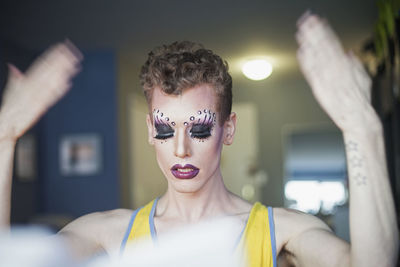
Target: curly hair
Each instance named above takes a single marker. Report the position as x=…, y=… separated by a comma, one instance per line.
x=183, y=65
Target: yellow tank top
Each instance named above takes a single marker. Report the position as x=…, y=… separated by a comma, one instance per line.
x=258, y=237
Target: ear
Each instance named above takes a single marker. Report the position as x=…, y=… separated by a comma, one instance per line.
x=149, y=129
x=229, y=129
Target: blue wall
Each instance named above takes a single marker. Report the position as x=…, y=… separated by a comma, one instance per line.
x=88, y=108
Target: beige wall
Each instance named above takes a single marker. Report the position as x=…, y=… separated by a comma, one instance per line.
x=146, y=178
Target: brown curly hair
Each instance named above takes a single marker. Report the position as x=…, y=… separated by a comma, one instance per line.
x=183, y=65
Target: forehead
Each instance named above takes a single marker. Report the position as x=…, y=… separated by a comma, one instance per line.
x=189, y=102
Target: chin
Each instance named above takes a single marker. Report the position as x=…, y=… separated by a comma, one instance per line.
x=186, y=186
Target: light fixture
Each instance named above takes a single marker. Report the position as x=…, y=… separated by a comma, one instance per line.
x=257, y=69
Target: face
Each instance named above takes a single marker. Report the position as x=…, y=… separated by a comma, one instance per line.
x=188, y=138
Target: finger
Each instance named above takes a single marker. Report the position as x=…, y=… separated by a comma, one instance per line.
x=315, y=63
x=309, y=68
x=13, y=72
x=316, y=78
x=317, y=34
x=73, y=49
x=54, y=90
x=55, y=59
x=56, y=84
x=51, y=72
x=303, y=17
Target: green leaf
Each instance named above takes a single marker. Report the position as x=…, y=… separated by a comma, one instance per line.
x=381, y=38
x=388, y=18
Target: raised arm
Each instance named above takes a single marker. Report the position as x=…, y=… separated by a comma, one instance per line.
x=27, y=96
x=342, y=87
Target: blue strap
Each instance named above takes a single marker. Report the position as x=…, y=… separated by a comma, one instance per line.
x=151, y=221
x=272, y=234
x=128, y=231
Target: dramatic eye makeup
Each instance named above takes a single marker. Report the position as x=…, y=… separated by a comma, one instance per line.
x=163, y=128
x=164, y=131
x=201, y=131
x=202, y=124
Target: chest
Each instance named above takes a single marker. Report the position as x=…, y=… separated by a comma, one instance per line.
x=255, y=235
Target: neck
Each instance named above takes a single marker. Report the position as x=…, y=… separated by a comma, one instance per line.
x=209, y=201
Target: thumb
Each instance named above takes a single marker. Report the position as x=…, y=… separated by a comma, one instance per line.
x=13, y=73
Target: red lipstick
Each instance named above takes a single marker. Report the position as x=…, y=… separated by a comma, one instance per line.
x=186, y=172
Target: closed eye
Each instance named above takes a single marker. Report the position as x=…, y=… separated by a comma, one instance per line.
x=200, y=131
x=164, y=131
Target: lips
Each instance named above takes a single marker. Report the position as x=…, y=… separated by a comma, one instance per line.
x=184, y=172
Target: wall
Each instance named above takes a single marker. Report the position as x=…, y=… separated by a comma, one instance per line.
x=90, y=107
x=281, y=99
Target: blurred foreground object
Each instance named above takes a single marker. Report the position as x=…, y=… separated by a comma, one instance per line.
x=217, y=239
x=210, y=243
x=32, y=246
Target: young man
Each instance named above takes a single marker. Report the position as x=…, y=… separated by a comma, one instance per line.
x=189, y=95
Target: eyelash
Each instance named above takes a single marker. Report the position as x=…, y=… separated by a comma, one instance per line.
x=201, y=135
x=201, y=131
x=164, y=136
x=196, y=134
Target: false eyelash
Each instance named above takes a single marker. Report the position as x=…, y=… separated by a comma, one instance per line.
x=200, y=131
x=164, y=131
x=202, y=135
x=164, y=136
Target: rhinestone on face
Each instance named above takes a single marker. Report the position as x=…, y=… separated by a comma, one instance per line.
x=199, y=112
x=205, y=111
x=173, y=123
x=167, y=119
x=161, y=114
x=192, y=118
x=185, y=123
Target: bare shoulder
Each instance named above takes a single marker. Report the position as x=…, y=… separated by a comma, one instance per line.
x=98, y=232
x=299, y=237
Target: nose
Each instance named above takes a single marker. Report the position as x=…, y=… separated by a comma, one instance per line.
x=182, y=144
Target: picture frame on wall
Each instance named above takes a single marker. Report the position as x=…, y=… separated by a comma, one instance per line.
x=26, y=158
x=81, y=155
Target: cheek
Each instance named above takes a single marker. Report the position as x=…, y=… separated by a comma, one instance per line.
x=211, y=146
x=163, y=149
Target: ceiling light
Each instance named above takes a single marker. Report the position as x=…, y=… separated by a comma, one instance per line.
x=258, y=69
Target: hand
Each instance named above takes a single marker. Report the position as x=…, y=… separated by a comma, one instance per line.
x=28, y=96
x=338, y=80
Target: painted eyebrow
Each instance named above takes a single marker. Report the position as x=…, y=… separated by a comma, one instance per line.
x=207, y=119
